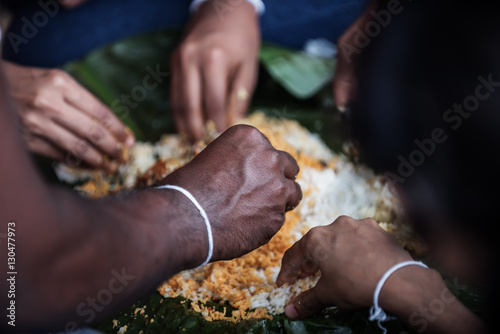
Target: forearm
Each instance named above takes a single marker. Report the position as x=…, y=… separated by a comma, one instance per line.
x=421, y=299
x=69, y=249
x=141, y=237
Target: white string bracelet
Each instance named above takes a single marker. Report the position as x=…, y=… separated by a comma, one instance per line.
x=376, y=312
x=203, y=215
x=257, y=4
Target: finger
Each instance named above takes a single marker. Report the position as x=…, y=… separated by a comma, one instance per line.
x=41, y=146
x=175, y=93
x=309, y=267
x=294, y=195
x=290, y=166
x=344, y=84
x=79, y=149
x=191, y=90
x=188, y=98
x=215, y=90
x=291, y=264
x=242, y=87
x=342, y=91
x=304, y=305
x=91, y=130
x=81, y=99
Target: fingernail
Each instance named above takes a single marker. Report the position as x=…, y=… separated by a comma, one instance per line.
x=130, y=141
x=291, y=312
x=130, y=137
x=342, y=109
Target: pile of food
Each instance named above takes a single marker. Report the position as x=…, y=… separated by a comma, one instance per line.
x=332, y=185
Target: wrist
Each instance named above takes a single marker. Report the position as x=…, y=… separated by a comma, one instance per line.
x=408, y=289
x=419, y=297
x=203, y=214
x=181, y=235
x=258, y=5
x=226, y=15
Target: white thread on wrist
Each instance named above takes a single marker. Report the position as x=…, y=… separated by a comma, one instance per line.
x=376, y=312
x=257, y=4
x=203, y=215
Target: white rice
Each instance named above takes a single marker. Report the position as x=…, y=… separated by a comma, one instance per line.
x=346, y=189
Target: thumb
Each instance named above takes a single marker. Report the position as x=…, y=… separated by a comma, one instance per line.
x=304, y=305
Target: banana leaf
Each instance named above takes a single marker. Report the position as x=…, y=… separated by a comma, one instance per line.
x=118, y=70
x=291, y=85
x=302, y=74
x=156, y=314
x=173, y=315
x=120, y=75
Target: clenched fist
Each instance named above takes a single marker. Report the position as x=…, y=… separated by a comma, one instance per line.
x=245, y=187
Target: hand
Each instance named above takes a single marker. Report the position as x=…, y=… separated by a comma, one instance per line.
x=58, y=116
x=214, y=69
x=352, y=256
x=350, y=50
x=344, y=79
x=244, y=185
